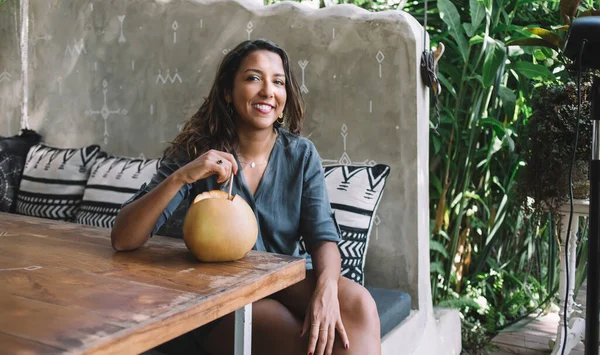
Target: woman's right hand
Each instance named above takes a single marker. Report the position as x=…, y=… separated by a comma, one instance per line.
x=210, y=163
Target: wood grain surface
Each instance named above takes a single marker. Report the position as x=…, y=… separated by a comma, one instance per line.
x=64, y=290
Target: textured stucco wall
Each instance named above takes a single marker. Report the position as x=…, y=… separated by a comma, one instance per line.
x=127, y=74
x=11, y=92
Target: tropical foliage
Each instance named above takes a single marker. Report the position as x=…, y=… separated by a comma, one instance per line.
x=489, y=258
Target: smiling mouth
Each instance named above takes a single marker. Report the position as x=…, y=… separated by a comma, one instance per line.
x=263, y=108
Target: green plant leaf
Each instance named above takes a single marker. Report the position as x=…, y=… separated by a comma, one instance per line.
x=507, y=95
x=433, y=180
x=444, y=234
x=510, y=143
x=496, y=145
x=439, y=247
x=436, y=267
x=451, y=17
x=437, y=144
x=469, y=29
x=508, y=98
x=539, y=55
x=523, y=2
x=492, y=122
x=477, y=39
x=530, y=42
x=533, y=71
x=449, y=71
x=548, y=36
x=456, y=200
x=449, y=14
x=494, y=58
x=462, y=302
x=442, y=78
x=547, y=52
x=590, y=13
x=477, y=10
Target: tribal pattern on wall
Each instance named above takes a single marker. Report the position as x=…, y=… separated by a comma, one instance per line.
x=103, y=71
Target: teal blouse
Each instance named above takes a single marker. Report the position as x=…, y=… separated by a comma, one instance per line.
x=290, y=201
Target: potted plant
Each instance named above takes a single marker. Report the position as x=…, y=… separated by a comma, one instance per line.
x=551, y=130
x=548, y=150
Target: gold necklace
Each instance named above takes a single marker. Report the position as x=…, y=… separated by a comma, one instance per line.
x=253, y=164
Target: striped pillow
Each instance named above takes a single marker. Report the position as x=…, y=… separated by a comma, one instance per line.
x=54, y=180
x=354, y=193
x=113, y=180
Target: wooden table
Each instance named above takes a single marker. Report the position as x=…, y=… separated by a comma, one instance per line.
x=63, y=289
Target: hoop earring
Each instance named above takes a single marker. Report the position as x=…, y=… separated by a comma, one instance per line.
x=230, y=109
x=280, y=119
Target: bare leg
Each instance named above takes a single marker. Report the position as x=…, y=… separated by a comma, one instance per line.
x=277, y=322
x=359, y=313
x=275, y=330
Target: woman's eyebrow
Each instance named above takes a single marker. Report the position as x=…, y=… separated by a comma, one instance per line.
x=261, y=72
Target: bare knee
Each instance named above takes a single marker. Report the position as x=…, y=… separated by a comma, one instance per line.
x=358, y=305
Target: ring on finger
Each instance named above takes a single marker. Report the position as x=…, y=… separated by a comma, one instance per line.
x=220, y=161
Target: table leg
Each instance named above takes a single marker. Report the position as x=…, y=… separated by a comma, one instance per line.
x=575, y=325
x=243, y=330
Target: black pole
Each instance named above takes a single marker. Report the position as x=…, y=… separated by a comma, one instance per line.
x=592, y=299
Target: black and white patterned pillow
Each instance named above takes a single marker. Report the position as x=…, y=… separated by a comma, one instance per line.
x=113, y=180
x=10, y=173
x=54, y=180
x=354, y=194
x=13, y=152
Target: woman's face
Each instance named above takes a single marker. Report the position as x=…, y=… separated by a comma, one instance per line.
x=259, y=89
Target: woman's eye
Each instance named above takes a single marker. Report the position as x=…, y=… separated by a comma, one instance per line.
x=279, y=82
x=253, y=77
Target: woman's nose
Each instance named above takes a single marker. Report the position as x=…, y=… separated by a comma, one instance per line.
x=267, y=89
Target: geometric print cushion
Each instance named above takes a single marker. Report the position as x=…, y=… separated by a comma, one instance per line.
x=10, y=174
x=354, y=193
x=13, y=152
x=113, y=180
x=54, y=180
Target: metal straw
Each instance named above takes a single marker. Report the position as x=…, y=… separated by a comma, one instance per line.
x=230, y=186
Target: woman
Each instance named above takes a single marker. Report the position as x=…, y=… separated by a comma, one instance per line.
x=239, y=130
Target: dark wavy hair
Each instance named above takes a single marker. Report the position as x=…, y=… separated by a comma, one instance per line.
x=213, y=127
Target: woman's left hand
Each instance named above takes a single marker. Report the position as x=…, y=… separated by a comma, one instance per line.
x=323, y=318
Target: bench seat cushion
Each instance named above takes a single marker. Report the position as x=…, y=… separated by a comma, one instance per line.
x=393, y=307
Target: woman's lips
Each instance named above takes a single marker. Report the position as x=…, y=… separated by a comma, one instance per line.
x=263, y=108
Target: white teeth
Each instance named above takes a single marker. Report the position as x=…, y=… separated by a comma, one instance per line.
x=263, y=107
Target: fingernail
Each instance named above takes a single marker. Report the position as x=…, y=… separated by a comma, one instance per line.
x=346, y=346
x=309, y=353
